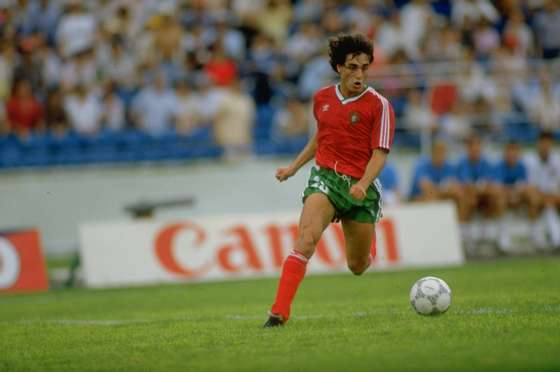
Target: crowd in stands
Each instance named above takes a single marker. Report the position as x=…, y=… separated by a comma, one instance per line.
x=238, y=74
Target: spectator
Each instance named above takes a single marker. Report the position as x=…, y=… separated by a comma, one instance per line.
x=154, y=108
x=113, y=109
x=544, y=174
x=273, y=20
x=220, y=69
x=189, y=114
x=545, y=108
x=468, y=12
x=417, y=114
x=117, y=63
x=486, y=39
x=56, y=120
x=292, y=120
x=517, y=35
x=416, y=16
x=81, y=69
x=456, y=126
x=76, y=29
x=232, y=41
x=24, y=112
x=7, y=59
x=84, y=111
x=547, y=29
x=234, y=120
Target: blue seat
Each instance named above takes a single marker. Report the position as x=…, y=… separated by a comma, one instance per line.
x=10, y=152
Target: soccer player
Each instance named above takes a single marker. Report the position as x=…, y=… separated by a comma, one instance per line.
x=544, y=174
x=436, y=179
x=512, y=175
x=355, y=128
x=478, y=179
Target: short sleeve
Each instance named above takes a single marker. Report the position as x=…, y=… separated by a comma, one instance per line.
x=384, y=126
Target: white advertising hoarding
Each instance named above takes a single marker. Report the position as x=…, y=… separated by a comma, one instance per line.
x=242, y=246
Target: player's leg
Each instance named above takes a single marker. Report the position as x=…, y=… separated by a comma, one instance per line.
x=469, y=232
x=316, y=215
x=453, y=191
x=552, y=220
x=358, y=237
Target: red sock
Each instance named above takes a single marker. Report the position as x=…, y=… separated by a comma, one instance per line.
x=293, y=272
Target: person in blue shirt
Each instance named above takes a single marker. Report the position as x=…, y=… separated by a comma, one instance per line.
x=512, y=174
x=480, y=187
x=389, y=178
x=435, y=178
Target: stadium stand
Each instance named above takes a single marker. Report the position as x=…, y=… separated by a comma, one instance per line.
x=476, y=66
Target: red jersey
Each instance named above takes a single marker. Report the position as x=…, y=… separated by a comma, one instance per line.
x=349, y=129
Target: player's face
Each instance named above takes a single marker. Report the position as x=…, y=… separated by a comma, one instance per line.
x=439, y=152
x=544, y=145
x=512, y=154
x=474, y=149
x=353, y=74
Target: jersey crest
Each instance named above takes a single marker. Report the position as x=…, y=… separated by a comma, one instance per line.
x=354, y=117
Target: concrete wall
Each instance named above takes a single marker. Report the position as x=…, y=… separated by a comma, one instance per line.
x=58, y=200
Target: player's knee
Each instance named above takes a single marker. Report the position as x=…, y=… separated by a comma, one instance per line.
x=308, y=239
x=358, y=267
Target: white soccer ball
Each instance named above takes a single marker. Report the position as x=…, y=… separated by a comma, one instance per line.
x=430, y=296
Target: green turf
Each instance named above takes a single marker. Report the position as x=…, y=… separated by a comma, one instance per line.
x=505, y=316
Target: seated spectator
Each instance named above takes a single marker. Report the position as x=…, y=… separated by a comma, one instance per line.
x=544, y=174
x=234, y=120
x=154, y=108
x=390, y=183
x=76, y=29
x=189, y=111
x=24, y=112
x=56, y=120
x=456, y=125
x=292, y=120
x=544, y=107
x=477, y=177
x=511, y=173
x=467, y=12
x=113, y=109
x=417, y=115
x=220, y=69
x=547, y=29
x=84, y=111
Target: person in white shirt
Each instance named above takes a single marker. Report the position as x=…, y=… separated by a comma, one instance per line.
x=84, y=111
x=544, y=174
x=154, y=109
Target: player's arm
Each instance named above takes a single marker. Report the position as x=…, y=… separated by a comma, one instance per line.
x=373, y=168
x=308, y=153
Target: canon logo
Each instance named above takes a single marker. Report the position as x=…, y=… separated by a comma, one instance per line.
x=262, y=250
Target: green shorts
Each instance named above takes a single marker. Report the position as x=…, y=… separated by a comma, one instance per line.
x=337, y=186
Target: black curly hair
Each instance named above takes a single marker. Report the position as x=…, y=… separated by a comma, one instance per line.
x=342, y=45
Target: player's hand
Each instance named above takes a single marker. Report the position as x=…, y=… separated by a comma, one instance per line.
x=357, y=191
x=282, y=174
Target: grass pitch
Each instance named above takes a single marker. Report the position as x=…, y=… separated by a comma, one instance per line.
x=505, y=315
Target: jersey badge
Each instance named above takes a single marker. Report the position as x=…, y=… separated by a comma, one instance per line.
x=354, y=117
